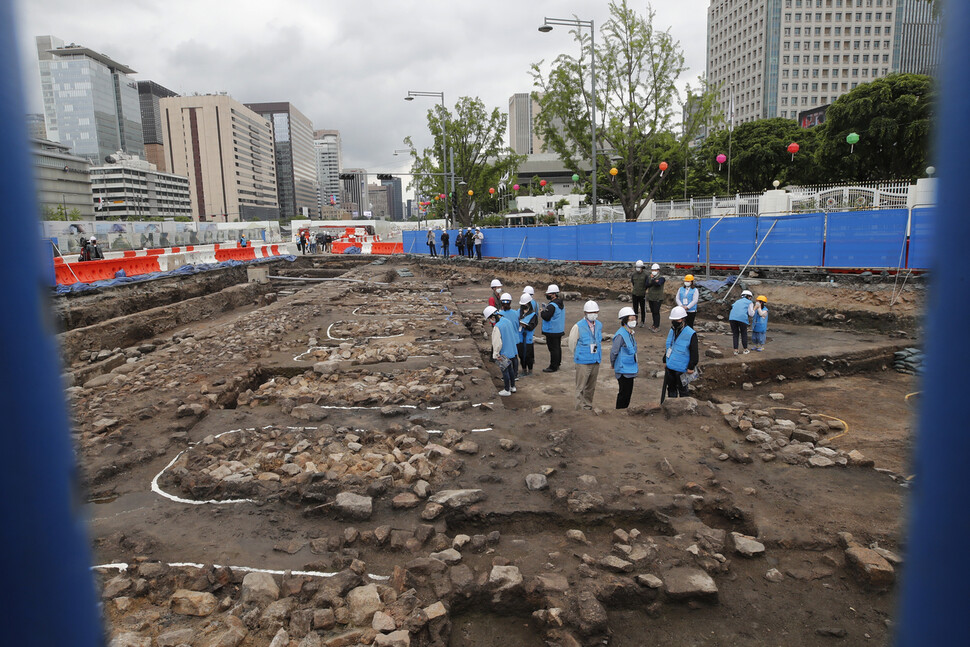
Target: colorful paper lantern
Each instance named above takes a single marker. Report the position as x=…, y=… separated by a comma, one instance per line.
x=542, y=182
x=663, y=166
x=492, y=191
x=575, y=177
x=515, y=187
x=793, y=148
x=470, y=192
x=442, y=196
x=852, y=139
x=720, y=160
x=614, y=171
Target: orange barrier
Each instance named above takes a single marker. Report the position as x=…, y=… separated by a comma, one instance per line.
x=130, y=253
x=275, y=250
x=387, y=248
x=236, y=254
x=90, y=271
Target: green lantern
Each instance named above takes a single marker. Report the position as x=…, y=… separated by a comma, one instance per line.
x=852, y=139
x=575, y=177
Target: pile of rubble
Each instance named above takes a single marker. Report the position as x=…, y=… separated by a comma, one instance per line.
x=365, y=353
x=373, y=327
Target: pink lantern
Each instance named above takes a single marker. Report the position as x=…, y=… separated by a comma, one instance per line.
x=442, y=196
x=720, y=160
x=542, y=182
x=515, y=187
x=793, y=148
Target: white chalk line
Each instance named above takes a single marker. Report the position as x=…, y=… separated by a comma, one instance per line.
x=121, y=566
x=299, y=358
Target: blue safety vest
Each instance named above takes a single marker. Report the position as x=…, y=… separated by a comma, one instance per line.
x=528, y=335
x=583, y=354
x=678, y=350
x=739, y=311
x=760, y=322
x=626, y=359
x=685, y=294
x=510, y=337
x=558, y=321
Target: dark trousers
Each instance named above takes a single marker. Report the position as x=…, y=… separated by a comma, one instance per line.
x=639, y=308
x=478, y=251
x=433, y=251
x=527, y=356
x=461, y=250
x=508, y=375
x=444, y=249
x=690, y=318
x=675, y=388
x=554, y=344
x=626, y=390
x=471, y=250
x=655, y=312
x=739, y=329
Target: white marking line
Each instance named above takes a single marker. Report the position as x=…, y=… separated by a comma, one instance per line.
x=299, y=358
x=475, y=431
x=120, y=566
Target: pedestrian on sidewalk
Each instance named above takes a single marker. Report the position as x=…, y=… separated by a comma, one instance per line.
x=528, y=320
x=741, y=312
x=586, y=344
x=655, y=295
x=503, y=347
x=680, y=356
x=638, y=293
x=460, y=241
x=759, y=323
x=623, y=357
x=444, y=242
x=431, y=242
x=687, y=298
x=553, y=327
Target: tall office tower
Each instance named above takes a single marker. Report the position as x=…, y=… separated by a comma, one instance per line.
x=226, y=151
x=355, y=195
x=395, y=197
x=36, y=129
x=523, y=138
x=917, y=46
x=326, y=146
x=90, y=101
x=379, y=195
x=775, y=58
x=149, y=93
x=296, y=169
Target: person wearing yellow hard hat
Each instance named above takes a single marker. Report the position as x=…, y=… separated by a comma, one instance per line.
x=759, y=325
x=687, y=298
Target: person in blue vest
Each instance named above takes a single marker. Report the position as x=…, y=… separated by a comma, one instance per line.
x=741, y=312
x=687, y=298
x=242, y=241
x=531, y=291
x=759, y=323
x=553, y=327
x=507, y=312
x=680, y=355
x=504, y=351
x=586, y=344
x=528, y=320
x=623, y=356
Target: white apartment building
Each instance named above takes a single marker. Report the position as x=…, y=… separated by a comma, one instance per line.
x=134, y=188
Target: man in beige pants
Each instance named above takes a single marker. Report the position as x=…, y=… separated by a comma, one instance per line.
x=585, y=342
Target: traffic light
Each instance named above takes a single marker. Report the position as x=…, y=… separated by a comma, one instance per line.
x=347, y=176
x=385, y=176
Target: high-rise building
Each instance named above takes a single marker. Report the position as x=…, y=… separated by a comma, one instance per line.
x=395, y=197
x=326, y=146
x=379, y=195
x=35, y=127
x=226, y=151
x=149, y=93
x=63, y=180
x=775, y=58
x=296, y=168
x=90, y=101
x=355, y=197
x=523, y=138
x=134, y=188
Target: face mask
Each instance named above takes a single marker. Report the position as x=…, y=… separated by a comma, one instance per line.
x=678, y=325
x=549, y=297
x=639, y=269
x=686, y=284
x=654, y=273
x=592, y=315
x=506, y=305
x=632, y=323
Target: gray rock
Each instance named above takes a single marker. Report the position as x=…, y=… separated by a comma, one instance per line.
x=503, y=578
x=747, y=386
x=817, y=374
x=674, y=407
x=131, y=639
x=281, y=639
x=536, y=482
x=193, y=603
x=448, y=556
x=577, y=536
x=355, y=506
x=363, y=602
x=175, y=638
x=399, y=638
x=615, y=564
x=458, y=498
x=804, y=436
x=467, y=447
x=650, y=581
x=747, y=546
x=260, y=588
x=383, y=622
x=100, y=380
x=309, y=412
x=685, y=583
x=820, y=461
x=774, y=575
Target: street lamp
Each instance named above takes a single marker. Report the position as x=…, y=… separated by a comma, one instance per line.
x=444, y=143
x=545, y=28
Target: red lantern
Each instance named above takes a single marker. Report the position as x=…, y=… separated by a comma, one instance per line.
x=442, y=196
x=542, y=182
x=663, y=166
x=492, y=191
x=793, y=148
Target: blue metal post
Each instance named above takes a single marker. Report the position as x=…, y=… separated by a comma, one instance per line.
x=46, y=561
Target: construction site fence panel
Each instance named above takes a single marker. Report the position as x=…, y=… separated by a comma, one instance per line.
x=856, y=240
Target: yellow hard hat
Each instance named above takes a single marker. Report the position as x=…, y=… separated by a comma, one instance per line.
x=762, y=298
x=689, y=277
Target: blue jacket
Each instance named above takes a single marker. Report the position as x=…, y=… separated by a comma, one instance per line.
x=760, y=320
x=623, y=355
x=678, y=350
x=510, y=337
x=739, y=311
x=583, y=354
x=558, y=321
x=527, y=335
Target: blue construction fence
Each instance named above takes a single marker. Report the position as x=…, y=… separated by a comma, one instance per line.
x=888, y=238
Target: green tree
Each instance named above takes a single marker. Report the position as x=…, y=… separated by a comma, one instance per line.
x=482, y=158
x=637, y=104
x=893, y=118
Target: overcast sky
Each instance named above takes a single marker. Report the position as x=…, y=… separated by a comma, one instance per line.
x=346, y=65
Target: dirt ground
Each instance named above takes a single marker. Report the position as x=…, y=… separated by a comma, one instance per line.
x=684, y=482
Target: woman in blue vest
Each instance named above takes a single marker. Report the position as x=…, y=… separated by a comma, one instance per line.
x=759, y=323
x=687, y=298
x=504, y=341
x=586, y=341
x=680, y=356
x=528, y=320
x=506, y=311
x=623, y=356
x=741, y=311
x=553, y=327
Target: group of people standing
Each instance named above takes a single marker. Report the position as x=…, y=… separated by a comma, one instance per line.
x=90, y=250
x=468, y=242
x=309, y=244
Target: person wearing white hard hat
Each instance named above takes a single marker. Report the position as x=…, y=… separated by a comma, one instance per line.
x=504, y=351
x=496, y=286
x=655, y=295
x=553, y=327
x=680, y=355
x=586, y=344
x=623, y=356
x=528, y=320
x=93, y=250
x=506, y=311
x=469, y=242
x=445, y=238
x=531, y=291
x=460, y=241
x=431, y=242
x=741, y=312
x=479, y=240
x=638, y=293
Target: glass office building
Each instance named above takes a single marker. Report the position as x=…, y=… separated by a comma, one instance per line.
x=296, y=167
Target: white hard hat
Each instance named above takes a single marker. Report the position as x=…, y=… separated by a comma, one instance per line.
x=496, y=283
x=524, y=299
x=92, y=239
x=528, y=290
x=478, y=228
x=678, y=313
x=639, y=263
x=590, y=306
x=626, y=312
x=429, y=228
x=746, y=293
x=553, y=288
x=654, y=267
x=505, y=297
x=489, y=311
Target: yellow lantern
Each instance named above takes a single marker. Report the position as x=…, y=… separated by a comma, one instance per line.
x=470, y=192
x=614, y=171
